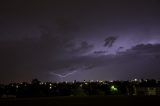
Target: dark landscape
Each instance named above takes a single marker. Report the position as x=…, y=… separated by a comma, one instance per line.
x=84, y=101
x=37, y=93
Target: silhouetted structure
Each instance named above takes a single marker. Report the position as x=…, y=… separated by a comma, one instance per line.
x=46, y=89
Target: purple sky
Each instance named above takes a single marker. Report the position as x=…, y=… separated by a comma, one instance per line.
x=79, y=40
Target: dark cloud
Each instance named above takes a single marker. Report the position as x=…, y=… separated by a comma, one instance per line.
x=45, y=56
x=145, y=49
x=109, y=41
x=35, y=55
x=82, y=48
x=39, y=37
x=124, y=65
x=100, y=52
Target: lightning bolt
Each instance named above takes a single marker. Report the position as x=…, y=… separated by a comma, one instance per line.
x=63, y=76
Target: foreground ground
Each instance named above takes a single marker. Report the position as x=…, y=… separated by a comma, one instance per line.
x=83, y=101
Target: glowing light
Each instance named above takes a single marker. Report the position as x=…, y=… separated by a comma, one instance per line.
x=50, y=87
x=135, y=79
x=100, y=81
x=113, y=88
x=41, y=83
x=86, y=83
x=111, y=80
x=91, y=80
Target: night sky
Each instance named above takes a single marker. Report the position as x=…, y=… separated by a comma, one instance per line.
x=60, y=40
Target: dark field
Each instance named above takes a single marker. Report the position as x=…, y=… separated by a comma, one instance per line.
x=83, y=101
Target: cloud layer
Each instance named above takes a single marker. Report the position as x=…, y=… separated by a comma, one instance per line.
x=95, y=40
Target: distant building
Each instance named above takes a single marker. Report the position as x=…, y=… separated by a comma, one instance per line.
x=148, y=91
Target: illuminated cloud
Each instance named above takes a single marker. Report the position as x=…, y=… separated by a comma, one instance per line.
x=98, y=40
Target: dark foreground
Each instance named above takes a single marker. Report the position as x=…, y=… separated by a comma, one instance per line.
x=83, y=101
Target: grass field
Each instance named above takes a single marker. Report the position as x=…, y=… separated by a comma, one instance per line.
x=83, y=101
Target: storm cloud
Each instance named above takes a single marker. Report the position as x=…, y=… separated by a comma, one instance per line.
x=109, y=41
x=93, y=39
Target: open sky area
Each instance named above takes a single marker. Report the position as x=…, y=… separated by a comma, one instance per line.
x=58, y=40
